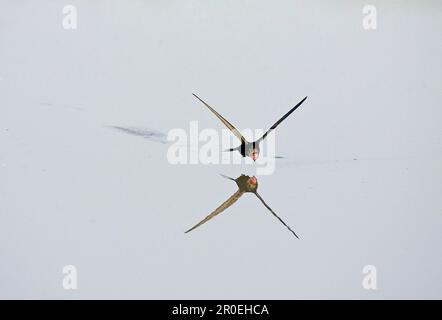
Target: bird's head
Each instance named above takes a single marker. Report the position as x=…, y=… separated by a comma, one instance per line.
x=254, y=154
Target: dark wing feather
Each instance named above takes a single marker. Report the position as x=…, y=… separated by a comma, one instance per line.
x=265, y=204
x=223, y=120
x=220, y=209
x=281, y=120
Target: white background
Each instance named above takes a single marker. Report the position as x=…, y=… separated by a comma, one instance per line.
x=73, y=191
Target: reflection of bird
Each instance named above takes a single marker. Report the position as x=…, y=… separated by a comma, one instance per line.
x=248, y=149
x=245, y=184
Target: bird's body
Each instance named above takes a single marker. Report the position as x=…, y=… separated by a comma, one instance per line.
x=248, y=149
x=245, y=184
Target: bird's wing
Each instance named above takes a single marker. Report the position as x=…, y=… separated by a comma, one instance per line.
x=281, y=120
x=265, y=204
x=226, y=123
x=220, y=209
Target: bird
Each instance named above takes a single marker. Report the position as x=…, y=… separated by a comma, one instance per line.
x=245, y=184
x=248, y=149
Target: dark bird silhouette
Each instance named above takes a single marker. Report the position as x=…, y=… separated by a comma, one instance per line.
x=245, y=184
x=248, y=149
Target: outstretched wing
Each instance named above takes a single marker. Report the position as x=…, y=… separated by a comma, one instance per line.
x=220, y=209
x=265, y=204
x=281, y=120
x=226, y=123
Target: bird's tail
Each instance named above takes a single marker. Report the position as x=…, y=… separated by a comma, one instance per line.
x=227, y=177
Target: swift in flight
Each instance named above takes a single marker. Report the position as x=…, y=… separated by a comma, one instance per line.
x=248, y=149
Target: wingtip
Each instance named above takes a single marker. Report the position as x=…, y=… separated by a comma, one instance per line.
x=196, y=96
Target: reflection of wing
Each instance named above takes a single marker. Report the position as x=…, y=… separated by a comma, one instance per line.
x=143, y=132
x=226, y=123
x=263, y=202
x=220, y=209
x=281, y=120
